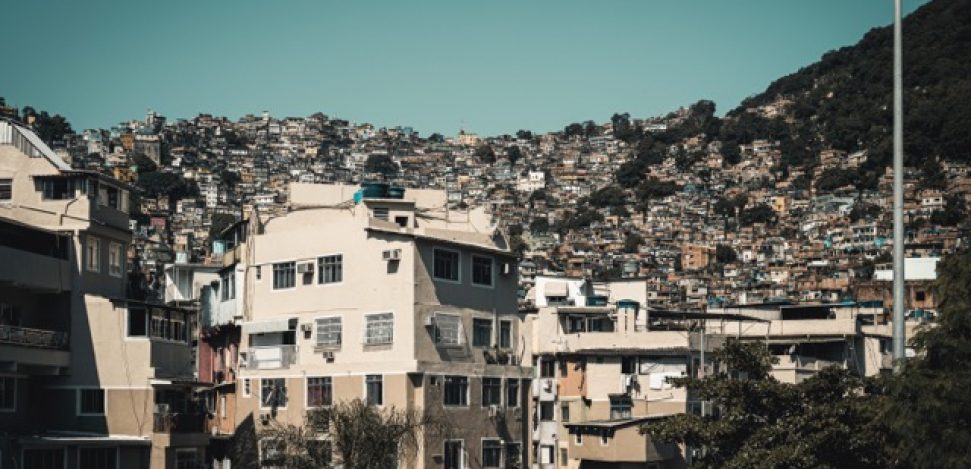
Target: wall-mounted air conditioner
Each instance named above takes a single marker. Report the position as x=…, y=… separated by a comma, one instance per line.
x=306, y=327
x=391, y=255
x=305, y=268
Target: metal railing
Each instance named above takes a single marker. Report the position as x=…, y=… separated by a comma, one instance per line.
x=173, y=422
x=33, y=337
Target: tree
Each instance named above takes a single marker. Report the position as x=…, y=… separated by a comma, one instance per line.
x=381, y=164
x=514, y=154
x=725, y=254
x=930, y=400
x=760, y=213
x=485, y=153
x=155, y=183
x=539, y=225
x=524, y=134
x=632, y=242
x=220, y=221
x=436, y=138
x=827, y=420
x=361, y=436
x=610, y=196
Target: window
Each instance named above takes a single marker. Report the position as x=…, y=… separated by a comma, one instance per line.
x=564, y=455
x=514, y=454
x=93, y=254
x=453, y=455
x=91, y=401
x=379, y=329
x=270, y=452
x=259, y=272
x=546, y=411
x=284, y=275
x=330, y=269
x=381, y=213
x=546, y=454
x=374, y=385
x=448, y=329
x=116, y=260
x=36, y=458
x=329, y=331
x=565, y=412
x=8, y=393
x=456, y=390
x=247, y=387
x=491, y=391
x=229, y=285
x=512, y=392
x=620, y=407
x=273, y=392
x=491, y=453
x=482, y=271
x=137, y=322
x=6, y=189
x=604, y=439
x=446, y=265
x=920, y=295
x=547, y=368
x=505, y=334
x=167, y=325
x=186, y=458
x=319, y=392
x=401, y=221
x=579, y=438
x=481, y=332
x=97, y=458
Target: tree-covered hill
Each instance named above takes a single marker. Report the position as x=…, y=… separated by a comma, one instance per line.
x=844, y=100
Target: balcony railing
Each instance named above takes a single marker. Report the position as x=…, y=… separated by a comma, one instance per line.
x=33, y=337
x=271, y=357
x=173, y=422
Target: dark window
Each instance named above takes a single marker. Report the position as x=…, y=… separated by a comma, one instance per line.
x=284, y=275
x=620, y=407
x=482, y=271
x=453, y=454
x=375, y=390
x=91, y=401
x=481, y=332
x=513, y=451
x=228, y=286
x=565, y=412
x=456, y=390
x=8, y=393
x=401, y=221
x=546, y=411
x=137, y=322
x=512, y=393
x=491, y=391
x=97, y=458
x=919, y=295
x=6, y=189
x=273, y=392
x=446, y=265
x=505, y=334
x=491, y=453
x=330, y=269
x=319, y=392
x=547, y=368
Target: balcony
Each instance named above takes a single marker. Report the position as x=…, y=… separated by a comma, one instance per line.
x=34, y=350
x=172, y=422
x=272, y=357
x=34, y=270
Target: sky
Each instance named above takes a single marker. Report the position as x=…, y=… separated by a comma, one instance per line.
x=490, y=67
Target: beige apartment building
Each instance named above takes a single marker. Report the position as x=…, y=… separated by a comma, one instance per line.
x=87, y=378
x=601, y=364
x=388, y=297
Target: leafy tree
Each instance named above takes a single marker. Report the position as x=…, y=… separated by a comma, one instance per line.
x=573, y=130
x=362, y=436
x=539, y=225
x=436, y=138
x=381, y=164
x=827, y=420
x=655, y=189
x=833, y=178
x=220, y=221
x=514, y=154
x=144, y=163
x=155, y=183
x=760, y=213
x=49, y=128
x=632, y=241
x=524, y=134
x=485, y=153
x=725, y=254
x=610, y=196
x=931, y=399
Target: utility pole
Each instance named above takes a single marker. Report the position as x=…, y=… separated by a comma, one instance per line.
x=898, y=192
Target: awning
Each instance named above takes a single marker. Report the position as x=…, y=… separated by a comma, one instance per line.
x=265, y=327
x=555, y=289
x=82, y=439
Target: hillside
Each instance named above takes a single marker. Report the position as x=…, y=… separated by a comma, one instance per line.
x=844, y=100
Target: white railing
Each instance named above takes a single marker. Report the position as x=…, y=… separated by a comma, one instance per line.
x=272, y=357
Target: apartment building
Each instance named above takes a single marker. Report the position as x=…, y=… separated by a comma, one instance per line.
x=601, y=365
x=389, y=297
x=87, y=378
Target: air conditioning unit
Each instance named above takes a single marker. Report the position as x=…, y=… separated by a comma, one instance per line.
x=305, y=268
x=327, y=354
x=391, y=255
x=493, y=410
x=306, y=327
x=507, y=268
x=242, y=359
x=430, y=320
x=265, y=418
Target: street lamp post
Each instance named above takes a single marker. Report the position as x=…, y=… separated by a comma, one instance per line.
x=898, y=192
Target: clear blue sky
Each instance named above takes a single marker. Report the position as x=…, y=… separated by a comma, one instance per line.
x=490, y=66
